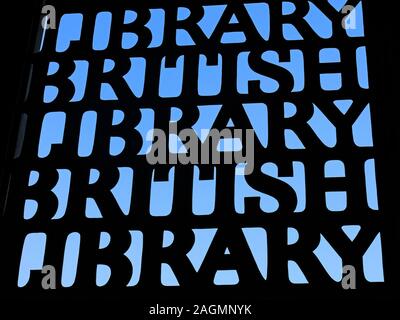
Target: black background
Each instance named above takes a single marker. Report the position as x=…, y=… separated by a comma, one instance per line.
x=381, y=26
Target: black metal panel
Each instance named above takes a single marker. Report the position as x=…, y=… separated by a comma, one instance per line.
x=315, y=221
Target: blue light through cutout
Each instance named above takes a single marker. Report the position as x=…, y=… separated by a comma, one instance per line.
x=209, y=84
